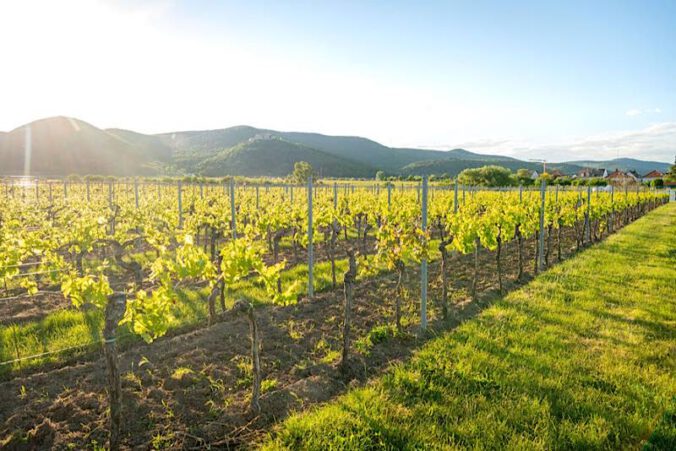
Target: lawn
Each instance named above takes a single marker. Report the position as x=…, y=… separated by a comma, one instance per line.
x=583, y=357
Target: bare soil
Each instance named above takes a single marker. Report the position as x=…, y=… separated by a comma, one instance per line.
x=24, y=307
x=192, y=390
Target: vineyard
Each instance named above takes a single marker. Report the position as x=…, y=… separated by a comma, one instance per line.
x=152, y=314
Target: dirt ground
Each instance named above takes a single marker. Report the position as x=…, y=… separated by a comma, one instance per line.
x=193, y=390
x=23, y=308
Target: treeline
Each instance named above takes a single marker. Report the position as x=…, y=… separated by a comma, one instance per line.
x=169, y=179
x=493, y=176
x=488, y=176
x=499, y=176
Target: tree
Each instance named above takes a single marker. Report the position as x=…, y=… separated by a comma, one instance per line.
x=670, y=176
x=302, y=171
x=546, y=177
x=523, y=177
x=657, y=183
x=486, y=176
x=597, y=181
x=380, y=176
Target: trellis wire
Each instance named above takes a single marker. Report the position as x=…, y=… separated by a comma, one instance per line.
x=23, y=295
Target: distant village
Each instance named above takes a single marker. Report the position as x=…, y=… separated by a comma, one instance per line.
x=617, y=177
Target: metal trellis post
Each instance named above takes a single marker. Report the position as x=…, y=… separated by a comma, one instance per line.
x=423, y=263
x=233, y=215
x=310, y=248
x=541, y=241
x=180, y=205
x=455, y=197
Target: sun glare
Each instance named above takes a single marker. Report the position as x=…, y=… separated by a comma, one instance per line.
x=23, y=182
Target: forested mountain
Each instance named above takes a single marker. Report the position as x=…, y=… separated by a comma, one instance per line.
x=62, y=146
x=276, y=157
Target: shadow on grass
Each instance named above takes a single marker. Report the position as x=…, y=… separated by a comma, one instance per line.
x=551, y=366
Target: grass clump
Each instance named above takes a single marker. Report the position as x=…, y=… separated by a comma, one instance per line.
x=377, y=334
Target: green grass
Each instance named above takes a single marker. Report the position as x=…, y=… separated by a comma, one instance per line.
x=580, y=358
x=75, y=331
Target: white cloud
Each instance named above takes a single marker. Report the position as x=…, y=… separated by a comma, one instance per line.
x=640, y=111
x=656, y=142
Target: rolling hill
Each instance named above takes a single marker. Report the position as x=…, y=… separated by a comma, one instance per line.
x=194, y=145
x=63, y=146
x=205, y=143
x=152, y=147
x=363, y=150
x=276, y=157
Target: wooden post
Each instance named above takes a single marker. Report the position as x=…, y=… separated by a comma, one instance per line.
x=242, y=306
x=115, y=309
x=348, y=280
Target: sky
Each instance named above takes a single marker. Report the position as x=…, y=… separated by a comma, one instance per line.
x=532, y=79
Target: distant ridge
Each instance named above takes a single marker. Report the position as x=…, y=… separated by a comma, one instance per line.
x=63, y=145
x=276, y=157
x=624, y=164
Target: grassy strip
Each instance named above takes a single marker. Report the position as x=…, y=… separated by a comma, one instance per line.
x=582, y=357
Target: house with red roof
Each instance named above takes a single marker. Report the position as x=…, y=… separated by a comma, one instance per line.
x=618, y=177
x=652, y=175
